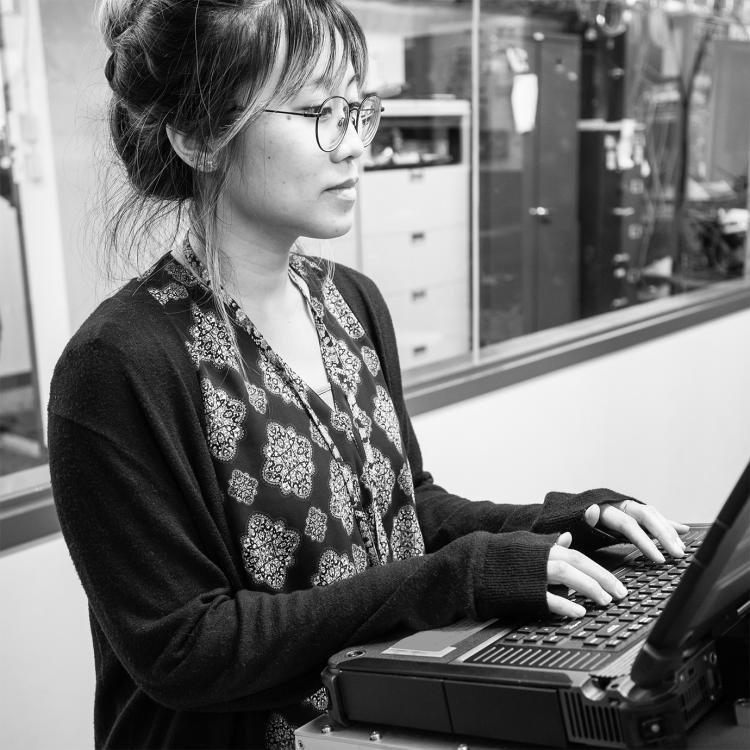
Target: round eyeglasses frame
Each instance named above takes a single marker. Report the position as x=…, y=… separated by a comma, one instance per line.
x=349, y=108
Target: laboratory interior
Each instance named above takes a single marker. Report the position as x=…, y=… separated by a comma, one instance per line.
x=555, y=209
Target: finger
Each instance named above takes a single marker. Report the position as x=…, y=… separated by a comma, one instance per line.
x=661, y=528
x=591, y=515
x=632, y=508
x=565, y=539
x=559, y=605
x=650, y=519
x=680, y=528
x=606, y=581
x=562, y=572
x=625, y=524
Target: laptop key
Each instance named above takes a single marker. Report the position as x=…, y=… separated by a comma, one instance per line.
x=611, y=629
x=593, y=641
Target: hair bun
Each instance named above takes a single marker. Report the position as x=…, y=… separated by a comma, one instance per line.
x=115, y=17
x=109, y=68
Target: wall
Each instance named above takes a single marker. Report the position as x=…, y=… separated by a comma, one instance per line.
x=666, y=421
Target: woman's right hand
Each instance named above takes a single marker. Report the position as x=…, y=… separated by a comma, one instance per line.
x=568, y=567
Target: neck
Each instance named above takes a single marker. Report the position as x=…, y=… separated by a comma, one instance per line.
x=256, y=274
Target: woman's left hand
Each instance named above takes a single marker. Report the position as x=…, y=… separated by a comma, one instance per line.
x=639, y=523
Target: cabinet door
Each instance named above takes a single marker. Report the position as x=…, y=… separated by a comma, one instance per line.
x=556, y=232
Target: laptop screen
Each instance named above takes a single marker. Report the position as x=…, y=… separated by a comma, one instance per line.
x=716, y=585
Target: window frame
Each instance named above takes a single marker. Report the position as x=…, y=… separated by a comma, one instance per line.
x=27, y=512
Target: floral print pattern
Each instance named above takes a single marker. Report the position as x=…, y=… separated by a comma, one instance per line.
x=256, y=397
x=342, y=365
x=380, y=478
x=360, y=558
x=274, y=382
x=168, y=293
x=333, y=567
x=279, y=733
x=341, y=506
x=224, y=417
x=405, y=481
x=315, y=524
x=209, y=340
x=242, y=487
x=370, y=358
x=181, y=274
x=385, y=416
x=318, y=700
x=342, y=422
x=268, y=550
x=288, y=463
x=406, y=537
x=341, y=311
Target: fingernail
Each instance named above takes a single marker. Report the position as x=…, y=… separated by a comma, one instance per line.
x=578, y=610
x=659, y=557
x=605, y=598
x=621, y=590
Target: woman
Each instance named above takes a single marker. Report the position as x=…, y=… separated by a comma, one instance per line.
x=234, y=469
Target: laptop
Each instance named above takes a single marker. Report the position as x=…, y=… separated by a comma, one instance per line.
x=636, y=673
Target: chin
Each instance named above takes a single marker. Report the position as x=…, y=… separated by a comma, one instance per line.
x=331, y=231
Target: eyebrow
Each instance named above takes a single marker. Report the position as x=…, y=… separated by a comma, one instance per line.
x=320, y=81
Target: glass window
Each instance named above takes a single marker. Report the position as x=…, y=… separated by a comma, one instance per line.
x=21, y=432
x=539, y=162
x=543, y=162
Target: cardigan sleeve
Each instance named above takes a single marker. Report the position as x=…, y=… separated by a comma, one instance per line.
x=142, y=515
x=444, y=517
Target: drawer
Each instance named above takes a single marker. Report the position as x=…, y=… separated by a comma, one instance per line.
x=397, y=260
x=397, y=199
x=431, y=322
x=428, y=350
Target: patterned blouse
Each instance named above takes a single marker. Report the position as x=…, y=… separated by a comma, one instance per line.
x=313, y=494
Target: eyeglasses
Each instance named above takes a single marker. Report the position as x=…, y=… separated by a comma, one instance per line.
x=334, y=115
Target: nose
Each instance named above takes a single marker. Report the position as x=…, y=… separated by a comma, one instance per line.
x=351, y=146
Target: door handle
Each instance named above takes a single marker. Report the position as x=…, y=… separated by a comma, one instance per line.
x=541, y=212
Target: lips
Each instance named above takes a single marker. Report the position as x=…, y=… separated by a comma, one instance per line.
x=345, y=191
x=343, y=185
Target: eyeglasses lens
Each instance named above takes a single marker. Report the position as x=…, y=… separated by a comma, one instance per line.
x=333, y=121
x=369, y=119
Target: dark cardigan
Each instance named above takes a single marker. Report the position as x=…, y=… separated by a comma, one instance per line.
x=185, y=655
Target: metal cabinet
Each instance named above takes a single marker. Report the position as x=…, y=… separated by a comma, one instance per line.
x=411, y=234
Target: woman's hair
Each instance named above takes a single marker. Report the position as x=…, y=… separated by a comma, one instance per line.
x=203, y=68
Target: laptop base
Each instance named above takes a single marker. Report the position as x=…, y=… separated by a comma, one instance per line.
x=364, y=685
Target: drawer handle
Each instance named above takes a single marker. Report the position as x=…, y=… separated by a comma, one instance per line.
x=417, y=236
x=418, y=294
x=416, y=350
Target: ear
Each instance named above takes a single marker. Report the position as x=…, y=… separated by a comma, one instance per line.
x=189, y=152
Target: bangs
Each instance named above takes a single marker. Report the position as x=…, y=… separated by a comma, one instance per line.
x=301, y=31
x=321, y=30
x=305, y=31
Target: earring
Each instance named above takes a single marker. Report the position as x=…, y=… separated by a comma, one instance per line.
x=206, y=164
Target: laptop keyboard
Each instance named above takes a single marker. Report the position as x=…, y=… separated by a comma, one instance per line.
x=609, y=628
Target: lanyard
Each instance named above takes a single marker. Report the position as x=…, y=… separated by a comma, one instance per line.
x=370, y=530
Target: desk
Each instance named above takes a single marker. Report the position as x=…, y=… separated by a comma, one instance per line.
x=716, y=731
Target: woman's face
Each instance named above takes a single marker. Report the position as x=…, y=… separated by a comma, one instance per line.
x=287, y=187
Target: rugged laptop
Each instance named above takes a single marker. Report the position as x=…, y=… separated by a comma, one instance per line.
x=636, y=673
